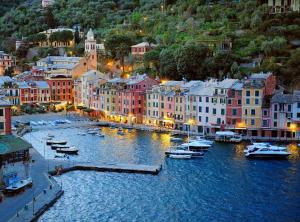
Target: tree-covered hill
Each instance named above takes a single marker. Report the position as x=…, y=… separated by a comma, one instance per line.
x=183, y=29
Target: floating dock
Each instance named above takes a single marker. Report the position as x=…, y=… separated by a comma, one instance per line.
x=119, y=168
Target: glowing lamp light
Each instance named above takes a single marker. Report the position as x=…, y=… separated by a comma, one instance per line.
x=164, y=81
x=293, y=127
x=191, y=121
x=241, y=125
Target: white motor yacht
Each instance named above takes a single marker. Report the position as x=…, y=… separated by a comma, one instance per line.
x=265, y=145
x=202, y=140
x=195, y=146
x=264, y=152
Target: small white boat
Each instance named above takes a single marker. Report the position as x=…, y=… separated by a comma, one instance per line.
x=81, y=134
x=71, y=150
x=184, y=152
x=50, y=135
x=40, y=123
x=57, y=146
x=33, y=123
x=100, y=135
x=183, y=156
x=19, y=185
x=120, y=131
x=58, y=155
x=176, y=139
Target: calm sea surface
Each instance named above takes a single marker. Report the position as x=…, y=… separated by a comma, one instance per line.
x=221, y=186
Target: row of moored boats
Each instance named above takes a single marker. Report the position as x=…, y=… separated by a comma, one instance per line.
x=197, y=146
x=61, y=147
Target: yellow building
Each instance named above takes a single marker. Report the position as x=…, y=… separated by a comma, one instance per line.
x=252, y=96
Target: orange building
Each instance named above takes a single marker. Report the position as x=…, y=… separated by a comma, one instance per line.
x=61, y=86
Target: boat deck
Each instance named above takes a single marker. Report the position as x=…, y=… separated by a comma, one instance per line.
x=119, y=168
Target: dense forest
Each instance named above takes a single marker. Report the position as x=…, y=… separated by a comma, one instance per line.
x=183, y=30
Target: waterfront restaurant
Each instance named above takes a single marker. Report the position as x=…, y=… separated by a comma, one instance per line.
x=14, y=155
x=14, y=151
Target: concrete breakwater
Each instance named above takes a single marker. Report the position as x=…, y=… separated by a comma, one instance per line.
x=118, y=168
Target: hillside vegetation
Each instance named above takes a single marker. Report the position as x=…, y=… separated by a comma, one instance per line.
x=183, y=29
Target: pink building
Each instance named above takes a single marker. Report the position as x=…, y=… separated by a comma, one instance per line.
x=134, y=97
x=140, y=49
x=234, y=106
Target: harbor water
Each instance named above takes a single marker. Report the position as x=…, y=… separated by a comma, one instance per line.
x=221, y=186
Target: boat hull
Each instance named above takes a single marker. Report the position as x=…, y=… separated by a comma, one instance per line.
x=54, y=147
x=67, y=151
x=267, y=156
x=180, y=156
x=56, y=142
x=195, y=154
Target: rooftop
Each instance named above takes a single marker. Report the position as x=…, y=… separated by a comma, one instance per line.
x=261, y=76
x=226, y=83
x=237, y=86
x=285, y=98
x=136, y=79
x=144, y=44
x=11, y=143
x=4, y=102
x=62, y=59
x=4, y=79
x=172, y=83
x=42, y=84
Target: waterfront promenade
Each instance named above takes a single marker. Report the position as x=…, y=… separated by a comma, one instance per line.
x=41, y=182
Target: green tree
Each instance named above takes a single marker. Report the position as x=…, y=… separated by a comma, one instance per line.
x=292, y=70
x=9, y=71
x=22, y=51
x=168, y=66
x=151, y=59
x=49, y=17
x=190, y=59
x=118, y=45
x=274, y=47
x=76, y=36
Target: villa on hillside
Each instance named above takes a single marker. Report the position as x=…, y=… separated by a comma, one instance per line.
x=140, y=49
x=284, y=6
x=56, y=44
x=6, y=61
x=47, y=3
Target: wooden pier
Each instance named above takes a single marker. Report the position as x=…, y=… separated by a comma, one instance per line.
x=119, y=168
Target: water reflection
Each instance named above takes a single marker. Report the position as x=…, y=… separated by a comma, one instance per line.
x=201, y=189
